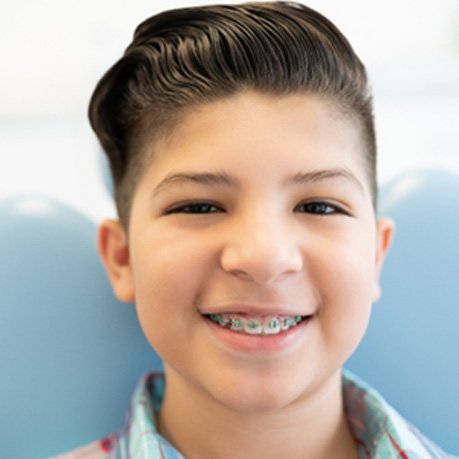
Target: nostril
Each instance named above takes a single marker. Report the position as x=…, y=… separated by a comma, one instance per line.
x=261, y=266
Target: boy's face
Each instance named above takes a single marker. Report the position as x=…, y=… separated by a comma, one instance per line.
x=259, y=208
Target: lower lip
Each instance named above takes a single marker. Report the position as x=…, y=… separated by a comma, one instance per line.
x=259, y=343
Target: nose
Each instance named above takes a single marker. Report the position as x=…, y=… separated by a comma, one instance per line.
x=262, y=250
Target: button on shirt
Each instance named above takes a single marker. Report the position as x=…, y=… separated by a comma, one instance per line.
x=379, y=431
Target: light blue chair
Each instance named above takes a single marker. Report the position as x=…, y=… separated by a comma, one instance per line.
x=411, y=350
x=70, y=353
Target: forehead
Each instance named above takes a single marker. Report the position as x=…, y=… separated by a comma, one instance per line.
x=302, y=132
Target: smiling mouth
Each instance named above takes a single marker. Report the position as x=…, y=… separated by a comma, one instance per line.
x=270, y=325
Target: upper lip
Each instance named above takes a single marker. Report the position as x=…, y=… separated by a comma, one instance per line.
x=254, y=310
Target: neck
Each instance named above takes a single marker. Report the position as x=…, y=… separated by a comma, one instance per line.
x=200, y=428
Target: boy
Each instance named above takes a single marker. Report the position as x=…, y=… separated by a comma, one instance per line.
x=242, y=148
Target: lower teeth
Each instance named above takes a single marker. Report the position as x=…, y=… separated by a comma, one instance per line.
x=269, y=326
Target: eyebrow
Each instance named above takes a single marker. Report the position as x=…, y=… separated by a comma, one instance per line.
x=223, y=179
x=205, y=178
x=325, y=174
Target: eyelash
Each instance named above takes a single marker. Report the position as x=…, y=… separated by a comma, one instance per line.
x=192, y=208
x=326, y=208
x=313, y=207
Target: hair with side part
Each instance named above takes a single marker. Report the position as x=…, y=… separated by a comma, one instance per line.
x=183, y=58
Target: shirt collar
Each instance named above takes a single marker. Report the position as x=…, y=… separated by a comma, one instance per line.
x=140, y=439
x=378, y=429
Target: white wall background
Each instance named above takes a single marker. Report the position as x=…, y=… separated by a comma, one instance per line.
x=52, y=53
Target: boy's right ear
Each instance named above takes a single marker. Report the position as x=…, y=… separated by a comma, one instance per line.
x=113, y=249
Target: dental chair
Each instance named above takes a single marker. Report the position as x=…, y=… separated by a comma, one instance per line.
x=71, y=354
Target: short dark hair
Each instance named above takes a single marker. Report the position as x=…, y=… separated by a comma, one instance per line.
x=183, y=58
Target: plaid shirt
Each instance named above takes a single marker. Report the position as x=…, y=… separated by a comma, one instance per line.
x=379, y=431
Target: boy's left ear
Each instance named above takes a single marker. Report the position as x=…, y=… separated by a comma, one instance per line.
x=384, y=233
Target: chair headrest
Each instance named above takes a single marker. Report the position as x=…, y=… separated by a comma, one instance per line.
x=71, y=353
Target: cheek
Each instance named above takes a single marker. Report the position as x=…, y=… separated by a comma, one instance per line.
x=348, y=284
x=168, y=276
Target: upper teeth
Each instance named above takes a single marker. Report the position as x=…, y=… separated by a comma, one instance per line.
x=255, y=325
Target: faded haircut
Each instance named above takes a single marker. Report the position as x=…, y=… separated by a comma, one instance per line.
x=183, y=58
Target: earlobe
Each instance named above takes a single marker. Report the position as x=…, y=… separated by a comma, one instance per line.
x=113, y=249
x=385, y=228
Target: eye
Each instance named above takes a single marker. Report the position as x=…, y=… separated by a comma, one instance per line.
x=319, y=208
x=194, y=208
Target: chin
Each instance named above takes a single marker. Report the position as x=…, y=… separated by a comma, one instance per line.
x=258, y=393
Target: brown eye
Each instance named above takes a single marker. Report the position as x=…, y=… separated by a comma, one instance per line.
x=318, y=208
x=194, y=208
